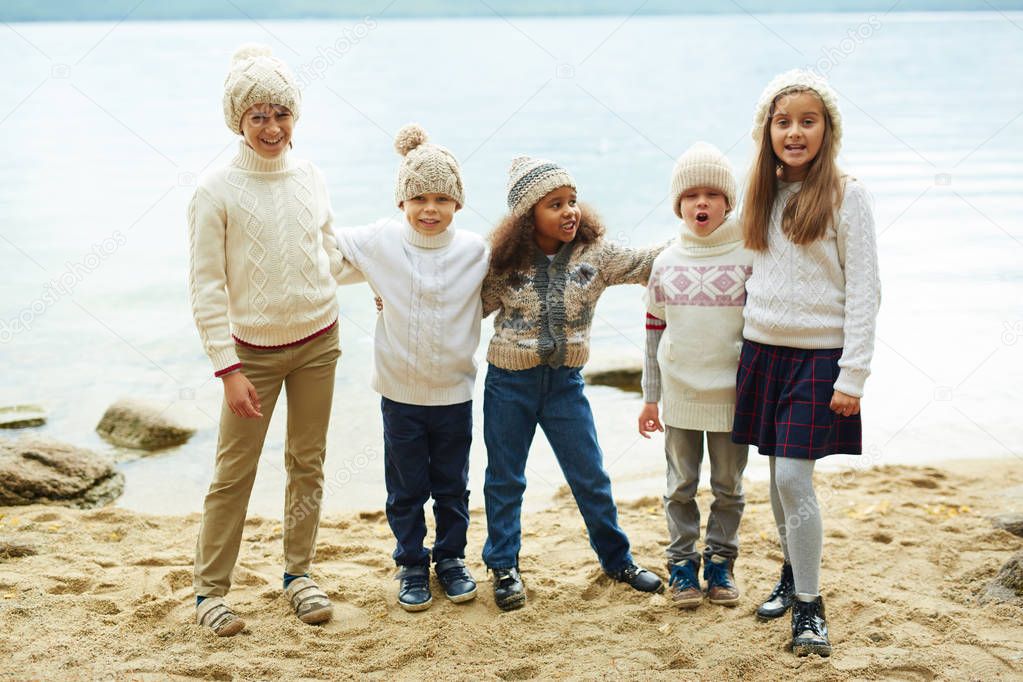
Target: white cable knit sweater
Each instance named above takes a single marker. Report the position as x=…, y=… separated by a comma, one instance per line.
x=263, y=259
x=429, y=329
x=820, y=295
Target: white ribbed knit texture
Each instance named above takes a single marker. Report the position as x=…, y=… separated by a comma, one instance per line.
x=820, y=295
x=429, y=329
x=263, y=259
x=805, y=80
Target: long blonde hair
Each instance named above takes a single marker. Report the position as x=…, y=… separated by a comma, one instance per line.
x=809, y=212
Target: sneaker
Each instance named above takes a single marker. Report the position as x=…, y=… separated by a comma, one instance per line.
x=414, y=588
x=683, y=584
x=809, y=628
x=721, y=589
x=638, y=578
x=456, y=580
x=781, y=597
x=509, y=592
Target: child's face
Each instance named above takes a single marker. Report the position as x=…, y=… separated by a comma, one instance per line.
x=267, y=129
x=430, y=214
x=555, y=219
x=703, y=209
x=797, y=132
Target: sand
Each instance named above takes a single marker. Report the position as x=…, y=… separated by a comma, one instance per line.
x=907, y=552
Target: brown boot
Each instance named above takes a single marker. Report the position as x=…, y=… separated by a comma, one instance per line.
x=684, y=585
x=721, y=587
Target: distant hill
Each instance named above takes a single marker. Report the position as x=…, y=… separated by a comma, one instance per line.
x=134, y=10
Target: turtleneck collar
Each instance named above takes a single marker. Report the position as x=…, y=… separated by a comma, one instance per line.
x=427, y=241
x=248, y=159
x=728, y=233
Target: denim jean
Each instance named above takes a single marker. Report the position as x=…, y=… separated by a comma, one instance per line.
x=514, y=402
x=426, y=453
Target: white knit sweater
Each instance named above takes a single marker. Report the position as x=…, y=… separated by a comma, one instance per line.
x=820, y=295
x=429, y=329
x=263, y=260
x=698, y=288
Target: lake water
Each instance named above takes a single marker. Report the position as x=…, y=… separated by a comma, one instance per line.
x=106, y=126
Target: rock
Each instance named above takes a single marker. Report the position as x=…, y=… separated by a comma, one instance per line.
x=625, y=376
x=37, y=470
x=1010, y=522
x=1008, y=584
x=21, y=416
x=137, y=424
x=10, y=549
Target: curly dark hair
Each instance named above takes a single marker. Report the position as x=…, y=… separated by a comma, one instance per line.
x=511, y=242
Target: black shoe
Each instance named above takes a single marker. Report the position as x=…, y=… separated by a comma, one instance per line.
x=782, y=596
x=810, y=629
x=456, y=580
x=509, y=592
x=638, y=578
x=414, y=588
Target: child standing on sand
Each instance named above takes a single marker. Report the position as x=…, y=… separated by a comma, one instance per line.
x=262, y=269
x=428, y=275
x=810, y=316
x=694, y=301
x=548, y=267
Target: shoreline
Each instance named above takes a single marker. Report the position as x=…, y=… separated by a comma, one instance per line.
x=907, y=551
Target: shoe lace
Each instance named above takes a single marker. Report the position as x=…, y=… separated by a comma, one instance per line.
x=806, y=619
x=682, y=578
x=454, y=573
x=415, y=580
x=783, y=588
x=717, y=575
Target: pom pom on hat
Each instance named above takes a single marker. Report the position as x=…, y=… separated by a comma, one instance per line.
x=250, y=51
x=409, y=137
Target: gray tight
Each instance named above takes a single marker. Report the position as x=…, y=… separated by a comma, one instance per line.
x=798, y=518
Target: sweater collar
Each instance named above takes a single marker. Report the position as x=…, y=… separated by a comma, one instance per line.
x=728, y=233
x=425, y=241
x=248, y=159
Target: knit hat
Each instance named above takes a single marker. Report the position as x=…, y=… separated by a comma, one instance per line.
x=257, y=76
x=702, y=165
x=798, y=79
x=426, y=168
x=529, y=180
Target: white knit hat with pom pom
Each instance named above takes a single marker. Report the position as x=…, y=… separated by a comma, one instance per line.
x=257, y=76
x=798, y=80
x=426, y=168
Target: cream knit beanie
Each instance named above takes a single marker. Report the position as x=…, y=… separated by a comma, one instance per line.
x=427, y=167
x=793, y=81
x=529, y=180
x=702, y=165
x=257, y=76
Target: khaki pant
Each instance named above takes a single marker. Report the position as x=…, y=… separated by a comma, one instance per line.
x=307, y=374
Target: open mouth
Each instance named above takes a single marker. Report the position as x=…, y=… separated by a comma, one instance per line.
x=272, y=142
x=702, y=217
x=568, y=226
x=795, y=148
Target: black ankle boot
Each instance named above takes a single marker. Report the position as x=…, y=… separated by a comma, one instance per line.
x=509, y=592
x=638, y=578
x=781, y=597
x=810, y=628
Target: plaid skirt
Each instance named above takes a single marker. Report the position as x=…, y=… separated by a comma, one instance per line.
x=783, y=398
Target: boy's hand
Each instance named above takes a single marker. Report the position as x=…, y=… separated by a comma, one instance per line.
x=648, y=420
x=844, y=404
x=379, y=303
x=241, y=396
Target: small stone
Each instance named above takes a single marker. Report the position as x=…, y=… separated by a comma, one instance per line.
x=10, y=549
x=21, y=416
x=1010, y=522
x=1008, y=584
x=36, y=470
x=626, y=377
x=137, y=424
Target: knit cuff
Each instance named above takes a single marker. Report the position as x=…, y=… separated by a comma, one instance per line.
x=851, y=381
x=224, y=360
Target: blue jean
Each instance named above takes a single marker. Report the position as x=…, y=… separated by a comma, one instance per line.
x=426, y=453
x=514, y=402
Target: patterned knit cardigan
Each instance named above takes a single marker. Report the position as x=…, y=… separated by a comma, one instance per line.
x=544, y=313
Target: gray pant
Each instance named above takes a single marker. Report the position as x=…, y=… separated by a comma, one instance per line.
x=683, y=450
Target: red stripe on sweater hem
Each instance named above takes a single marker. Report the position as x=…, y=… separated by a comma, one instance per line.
x=287, y=345
x=228, y=370
x=654, y=322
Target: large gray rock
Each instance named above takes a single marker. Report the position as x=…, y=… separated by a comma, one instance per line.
x=625, y=375
x=1008, y=584
x=137, y=424
x=37, y=470
x=1010, y=522
x=21, y=416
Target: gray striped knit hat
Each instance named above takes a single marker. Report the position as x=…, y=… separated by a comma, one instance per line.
x=529, y=180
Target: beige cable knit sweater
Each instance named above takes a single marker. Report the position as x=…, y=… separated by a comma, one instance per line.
x=262, y=258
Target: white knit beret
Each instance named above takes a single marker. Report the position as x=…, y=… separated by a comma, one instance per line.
x=798, y=79
x=426, y=167
x=257, y=76
x=529, y=180
x=702, y=165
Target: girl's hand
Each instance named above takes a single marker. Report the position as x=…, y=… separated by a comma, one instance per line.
x=379, y=303
x=845, y=405
x=241, y=396
x=648, y=420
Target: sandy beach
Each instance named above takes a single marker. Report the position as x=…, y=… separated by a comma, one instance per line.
x=908, y=550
